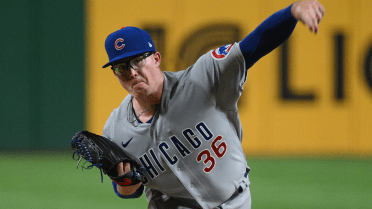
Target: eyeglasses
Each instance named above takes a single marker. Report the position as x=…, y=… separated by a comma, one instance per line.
x=136, y=63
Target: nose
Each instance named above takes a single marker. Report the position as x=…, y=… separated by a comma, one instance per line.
x=132, y=72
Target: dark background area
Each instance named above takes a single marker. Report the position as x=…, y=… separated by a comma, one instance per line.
x=42, y=73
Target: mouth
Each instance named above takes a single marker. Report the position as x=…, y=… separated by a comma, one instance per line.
x=137, y=84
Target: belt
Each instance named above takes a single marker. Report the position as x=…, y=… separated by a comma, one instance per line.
x=240, y=189
x=247, y=172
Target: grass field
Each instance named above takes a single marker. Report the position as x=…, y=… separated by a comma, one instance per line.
x=51, y=180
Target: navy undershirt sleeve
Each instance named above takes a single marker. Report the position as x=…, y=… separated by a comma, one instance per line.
x=267, y=36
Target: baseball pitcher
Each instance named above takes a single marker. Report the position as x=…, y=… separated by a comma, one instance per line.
x=183, y=127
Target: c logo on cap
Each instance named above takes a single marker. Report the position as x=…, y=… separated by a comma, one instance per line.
x=119, y=46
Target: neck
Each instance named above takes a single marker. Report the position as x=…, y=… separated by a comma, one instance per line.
x=142, y=102
x=144, y=109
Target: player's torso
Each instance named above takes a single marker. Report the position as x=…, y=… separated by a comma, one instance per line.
x=192, y=147
x=189, y=144
x=199, y=144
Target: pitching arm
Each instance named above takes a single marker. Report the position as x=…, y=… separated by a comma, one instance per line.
x=278, y=27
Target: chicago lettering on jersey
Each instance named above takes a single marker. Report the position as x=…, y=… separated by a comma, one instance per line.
x=153, y=165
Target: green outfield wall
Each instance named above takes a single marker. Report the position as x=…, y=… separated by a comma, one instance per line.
x=42, y=73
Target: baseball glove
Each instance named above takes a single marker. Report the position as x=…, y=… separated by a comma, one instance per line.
x=105, y=155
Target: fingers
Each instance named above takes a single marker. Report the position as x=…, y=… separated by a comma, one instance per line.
x=316, y=12
x=319, y=12
x=311, y=20
x=310, y=12
x=123, y=168
x=126, y=167
x=317, y=17
x=120, y=169
x=321, y=9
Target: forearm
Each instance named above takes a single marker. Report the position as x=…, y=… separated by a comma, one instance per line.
x=268, y=35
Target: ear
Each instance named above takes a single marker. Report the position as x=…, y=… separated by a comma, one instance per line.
x=157, y=58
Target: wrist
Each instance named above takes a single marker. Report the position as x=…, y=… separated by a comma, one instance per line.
x=128, y=190
x=296, y=10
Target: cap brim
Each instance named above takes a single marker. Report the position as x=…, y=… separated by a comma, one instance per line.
x=131, y=54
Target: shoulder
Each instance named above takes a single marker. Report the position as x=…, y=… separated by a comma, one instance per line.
x=216, y=64
x=223, y=58
x=173, y=79
x=122, y=107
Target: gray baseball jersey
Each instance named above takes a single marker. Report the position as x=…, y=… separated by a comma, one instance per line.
x=192, y=147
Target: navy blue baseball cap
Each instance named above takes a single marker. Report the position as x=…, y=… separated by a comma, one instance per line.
x=127, y=42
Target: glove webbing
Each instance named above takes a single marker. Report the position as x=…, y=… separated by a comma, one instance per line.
x=83, y=152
